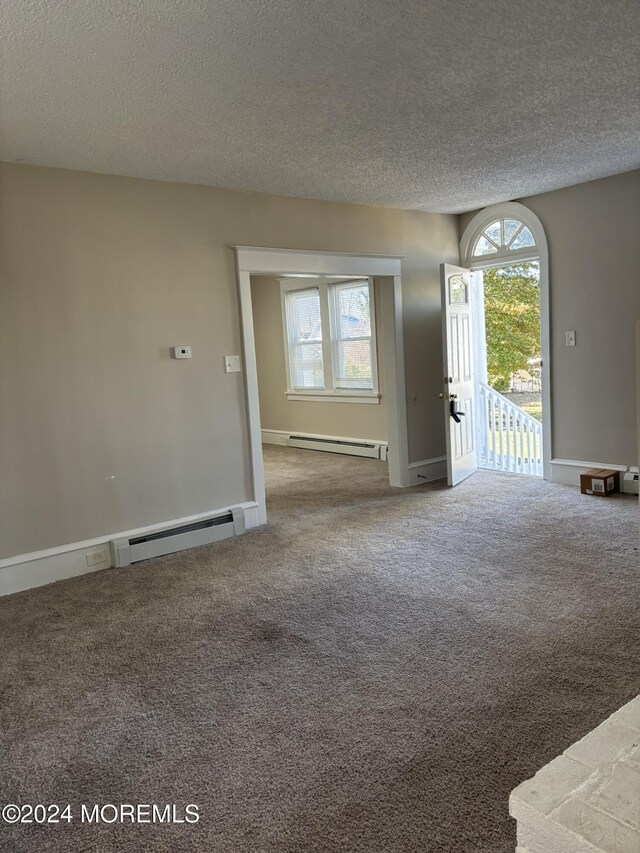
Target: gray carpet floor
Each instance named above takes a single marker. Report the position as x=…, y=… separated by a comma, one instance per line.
x=371, y=673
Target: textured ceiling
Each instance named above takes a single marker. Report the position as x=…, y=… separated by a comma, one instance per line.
x=445, y=105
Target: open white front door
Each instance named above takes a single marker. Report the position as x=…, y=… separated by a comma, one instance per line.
x=459, y=384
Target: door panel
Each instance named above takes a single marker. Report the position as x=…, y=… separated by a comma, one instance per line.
x=466, y=348
x=459, y=382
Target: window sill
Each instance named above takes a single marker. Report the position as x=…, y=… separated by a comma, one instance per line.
x=334, y=397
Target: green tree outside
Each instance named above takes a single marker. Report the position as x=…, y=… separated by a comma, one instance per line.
x=512, y=319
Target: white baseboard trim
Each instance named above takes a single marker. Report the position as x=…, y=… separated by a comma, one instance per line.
x=567, y=471
x=25, y=571
x=427, y=470
x=275, y=436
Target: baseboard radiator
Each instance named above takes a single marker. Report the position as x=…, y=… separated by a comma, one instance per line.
x=330, y=445
x=124, y=552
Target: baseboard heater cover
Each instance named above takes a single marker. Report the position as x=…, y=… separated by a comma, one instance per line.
x=351, y=448
x=124, y=552
x=629, y=481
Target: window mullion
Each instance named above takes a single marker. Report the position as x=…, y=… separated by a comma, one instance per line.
x=373, y=340
x=327, y=347
x=352, y=340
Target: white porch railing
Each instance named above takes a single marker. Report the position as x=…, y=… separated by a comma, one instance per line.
x=510, y=438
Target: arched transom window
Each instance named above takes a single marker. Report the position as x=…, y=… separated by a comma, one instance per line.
x=503, y=236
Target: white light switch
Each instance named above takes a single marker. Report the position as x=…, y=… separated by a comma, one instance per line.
x=232, y=364
x=180, y=352
x=570, y=338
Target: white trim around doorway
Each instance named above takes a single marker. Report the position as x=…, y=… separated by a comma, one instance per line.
x=541, y=253
x=253, y=260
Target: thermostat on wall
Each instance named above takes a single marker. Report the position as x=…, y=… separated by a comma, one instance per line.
x=180, y=352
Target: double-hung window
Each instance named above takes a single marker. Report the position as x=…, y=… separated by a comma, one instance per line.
x=304, y=337
x=330, y=344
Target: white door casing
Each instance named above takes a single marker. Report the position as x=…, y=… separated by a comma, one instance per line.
x=503, y=258
x=459, y=391
x=254, y=260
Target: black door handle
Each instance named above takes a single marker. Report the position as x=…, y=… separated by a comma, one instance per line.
x=453, y=411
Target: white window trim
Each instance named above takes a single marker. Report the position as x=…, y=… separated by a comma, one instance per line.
x=346, y=396
x=329, y=394
x=482, y=220
x=286, y=287
x=356, y=393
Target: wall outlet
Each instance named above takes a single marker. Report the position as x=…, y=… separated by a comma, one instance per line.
x=95, y=557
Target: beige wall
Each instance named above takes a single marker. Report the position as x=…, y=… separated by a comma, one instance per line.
x=100, y=431
x=637, y=462
x=593, y=231
x=350, y=420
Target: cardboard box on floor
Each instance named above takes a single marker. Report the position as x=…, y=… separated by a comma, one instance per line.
x=600, y=481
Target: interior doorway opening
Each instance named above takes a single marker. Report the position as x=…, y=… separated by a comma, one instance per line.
x=254, y=262
x=320, y=355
